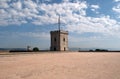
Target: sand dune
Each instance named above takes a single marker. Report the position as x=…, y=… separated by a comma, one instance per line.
x=60, y=66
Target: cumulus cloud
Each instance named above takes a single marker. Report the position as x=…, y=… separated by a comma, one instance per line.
x=17, y=5
x=4, y=3
x=116, y=8
x=94, y=8
x=103, y=25
x=50, y=13
x=41, y=13
x=73, y=15
x=39, y=35
x=116, y=0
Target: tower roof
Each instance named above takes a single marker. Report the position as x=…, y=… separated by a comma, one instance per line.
x=59, y=31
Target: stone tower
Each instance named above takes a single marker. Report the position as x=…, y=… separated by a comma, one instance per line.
x=59, y=39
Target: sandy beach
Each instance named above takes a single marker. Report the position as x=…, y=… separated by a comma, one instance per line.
x=72, y=65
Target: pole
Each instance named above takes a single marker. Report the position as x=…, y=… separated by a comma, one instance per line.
x=59, y=32
x=59, y=23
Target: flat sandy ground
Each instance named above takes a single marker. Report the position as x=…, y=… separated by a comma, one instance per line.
x=72, y=65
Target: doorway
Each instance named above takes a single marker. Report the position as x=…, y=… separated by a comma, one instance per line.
x=54, y=48
x=64, y=49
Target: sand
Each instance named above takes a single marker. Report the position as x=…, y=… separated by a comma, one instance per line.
x=72, y=65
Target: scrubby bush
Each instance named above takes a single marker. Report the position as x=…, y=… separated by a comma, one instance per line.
x=101, y=50
x=91, y=50
x=35, y=49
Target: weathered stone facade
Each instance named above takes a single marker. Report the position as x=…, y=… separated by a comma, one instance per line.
x=59, y=40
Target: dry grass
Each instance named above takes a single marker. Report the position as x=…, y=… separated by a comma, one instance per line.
x=60, y=66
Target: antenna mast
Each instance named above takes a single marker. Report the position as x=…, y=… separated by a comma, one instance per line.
x=59, y=23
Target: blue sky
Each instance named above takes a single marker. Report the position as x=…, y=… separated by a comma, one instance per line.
x=91, y=23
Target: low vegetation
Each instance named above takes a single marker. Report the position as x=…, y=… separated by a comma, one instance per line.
x=35, y=49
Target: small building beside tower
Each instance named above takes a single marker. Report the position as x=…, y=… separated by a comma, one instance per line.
x=59, y=39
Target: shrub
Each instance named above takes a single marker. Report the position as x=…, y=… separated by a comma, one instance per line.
x=35, y=49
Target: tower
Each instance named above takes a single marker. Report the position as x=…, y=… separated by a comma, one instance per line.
x=59, y=39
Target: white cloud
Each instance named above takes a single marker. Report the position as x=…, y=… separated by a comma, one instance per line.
x=35, y=35
x=41, y=13
x=73, y=16
x=4, y=4
x=116, y=8
x=94, y=8
x=116, y=0
x=103, y=25
x=30, y=4
x=66, y=10
x=17, y=5
x=38, y=35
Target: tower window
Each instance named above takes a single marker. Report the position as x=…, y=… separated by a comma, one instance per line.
x=55, y=39
x=64, y=39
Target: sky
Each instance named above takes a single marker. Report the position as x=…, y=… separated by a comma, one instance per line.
x=90, y=23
